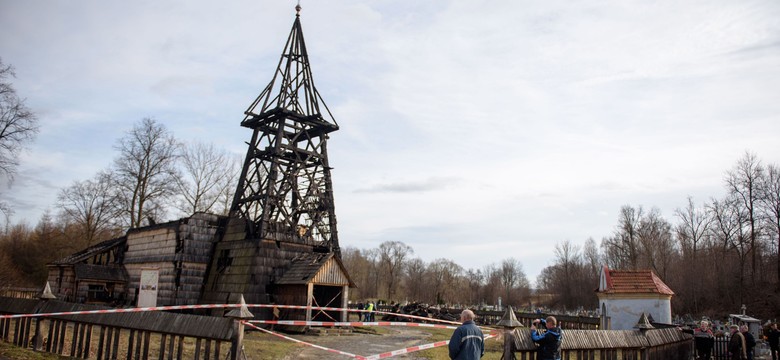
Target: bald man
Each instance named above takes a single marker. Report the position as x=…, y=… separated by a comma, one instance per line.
x=467, y=342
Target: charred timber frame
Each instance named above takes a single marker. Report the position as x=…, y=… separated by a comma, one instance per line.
x=285, y=191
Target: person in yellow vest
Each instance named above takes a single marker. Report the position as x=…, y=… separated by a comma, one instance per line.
x=370, y=311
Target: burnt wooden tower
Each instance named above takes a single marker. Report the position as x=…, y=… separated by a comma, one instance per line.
x=285, y=191
x=283, y=208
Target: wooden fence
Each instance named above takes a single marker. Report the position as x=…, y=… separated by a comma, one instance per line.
x=654, y=344
x=20, y=293
x=488, y=317
x=132, y=335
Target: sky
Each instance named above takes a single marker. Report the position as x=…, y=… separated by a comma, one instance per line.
x=469, y=130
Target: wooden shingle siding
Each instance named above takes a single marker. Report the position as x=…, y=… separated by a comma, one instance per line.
x=153, y=321
x=660, y=343
x=331, y=274
x=179, y=250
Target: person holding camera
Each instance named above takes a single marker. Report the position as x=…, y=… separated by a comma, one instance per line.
x=549, y=341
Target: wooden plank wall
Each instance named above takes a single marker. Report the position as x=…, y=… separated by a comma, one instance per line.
x=112, y=336
x=181, y=251
x=655, y=344
x=331, y=274
x=68, y=281
x=247, y=266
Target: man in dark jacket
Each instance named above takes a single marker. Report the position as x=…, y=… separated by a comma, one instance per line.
x=773, y=336
x=737, y=346
x=549, y=341
x=703, y=340
x=750, y=341
x=467, y=342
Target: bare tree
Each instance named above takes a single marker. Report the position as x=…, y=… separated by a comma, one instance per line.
x=590, y=254
x=743, y=182
x=207, y=174
x=415, y=279
x=770, y=196
x=727, y=228
x=442, y=274
x=392, y=255
x=691, y=232
x=145, y=171
x=491, y=289
x=512, y=278
x=18, y=124
x=228, y=187
x=474, y=279
x=91, y=206
x=359, y=269
x=567, y=257
x=6, y=212
x=655, y=239
x=623, y=248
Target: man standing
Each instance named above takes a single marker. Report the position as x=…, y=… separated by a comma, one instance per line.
x=549, y=341
x=737, y=344
x=369, y=311
x=773, y=336
x=704, y=340
x=467, y=342
x=750, y=341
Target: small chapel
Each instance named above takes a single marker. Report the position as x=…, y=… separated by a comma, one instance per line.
x=625, y=295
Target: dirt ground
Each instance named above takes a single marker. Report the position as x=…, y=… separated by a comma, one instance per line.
x=363, y=344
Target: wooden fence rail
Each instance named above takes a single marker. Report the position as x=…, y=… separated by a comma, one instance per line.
x=489, y=317
x=132, y=335
x=654, y=344
x=20, y=293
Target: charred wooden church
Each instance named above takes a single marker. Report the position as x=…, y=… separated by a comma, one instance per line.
x=279, y=243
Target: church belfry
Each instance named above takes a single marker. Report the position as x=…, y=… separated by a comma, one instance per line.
x=285, y=191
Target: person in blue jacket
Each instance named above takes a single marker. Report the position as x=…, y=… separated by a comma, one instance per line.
x=467, y=342
x=549, y=341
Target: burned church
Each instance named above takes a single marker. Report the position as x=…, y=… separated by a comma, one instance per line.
x=279, y=243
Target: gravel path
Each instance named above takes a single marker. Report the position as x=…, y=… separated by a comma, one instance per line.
x=363, y=344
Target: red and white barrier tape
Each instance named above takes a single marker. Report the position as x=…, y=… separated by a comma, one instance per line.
x=123, y=310
x=384, y=355
x=412, y=349
x=305, y=343
x=350, y=323
x=217, y=306
x=286, y=322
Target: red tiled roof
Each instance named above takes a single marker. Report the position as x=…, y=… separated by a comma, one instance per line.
x=634, y=282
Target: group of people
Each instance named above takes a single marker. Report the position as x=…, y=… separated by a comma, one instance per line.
x=741, y=343
x=468, y=342
x=368, y=311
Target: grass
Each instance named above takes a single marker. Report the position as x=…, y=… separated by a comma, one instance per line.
x=257, y=345
x=262, y=346
x=13, y=352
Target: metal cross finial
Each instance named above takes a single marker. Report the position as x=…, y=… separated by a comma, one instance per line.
x=298, y=9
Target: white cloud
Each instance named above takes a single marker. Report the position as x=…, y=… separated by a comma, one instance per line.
x=517, y=124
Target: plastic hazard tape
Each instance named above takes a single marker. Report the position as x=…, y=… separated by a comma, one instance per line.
x=123, y=310
x=412, y=349
x=305, y=343
x=216, y=306
x=384, y=355
x=350, y=323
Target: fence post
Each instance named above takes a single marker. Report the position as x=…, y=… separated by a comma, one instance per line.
x=509, y=323
x=46, y=295
x=238, y=315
